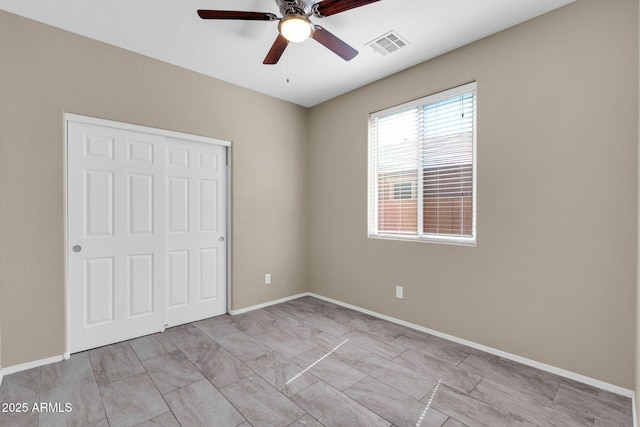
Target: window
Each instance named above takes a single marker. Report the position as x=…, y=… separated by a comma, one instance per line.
x=402, y=190
x=427, y=145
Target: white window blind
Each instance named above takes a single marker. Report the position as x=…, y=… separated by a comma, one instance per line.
x=422, y=168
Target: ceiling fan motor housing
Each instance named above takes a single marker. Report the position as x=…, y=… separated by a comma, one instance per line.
x=295, y=7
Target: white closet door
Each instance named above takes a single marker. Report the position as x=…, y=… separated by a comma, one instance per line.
x=147, y=220
x=115, y=235
x=196, y=230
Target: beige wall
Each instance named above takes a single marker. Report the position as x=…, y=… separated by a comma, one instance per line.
x=46, y=72
x=553, y=275
x=637, y=358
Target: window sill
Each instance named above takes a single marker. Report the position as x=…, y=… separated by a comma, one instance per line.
x=447, y=240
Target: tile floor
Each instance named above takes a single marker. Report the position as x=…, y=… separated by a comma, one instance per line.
x=238, y=371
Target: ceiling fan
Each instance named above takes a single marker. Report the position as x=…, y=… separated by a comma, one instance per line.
x=295, y=25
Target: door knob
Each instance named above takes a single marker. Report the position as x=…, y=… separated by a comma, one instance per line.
x=76, y=248
x=221, y=239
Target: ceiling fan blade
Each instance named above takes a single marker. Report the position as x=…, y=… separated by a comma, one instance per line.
x=333, y=43
x=331, y=7
x=230, y=14
x=276, y=51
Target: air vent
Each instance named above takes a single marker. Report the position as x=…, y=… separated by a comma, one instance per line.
x=387, y=43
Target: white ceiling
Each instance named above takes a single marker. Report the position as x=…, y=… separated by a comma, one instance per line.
x=233, y=51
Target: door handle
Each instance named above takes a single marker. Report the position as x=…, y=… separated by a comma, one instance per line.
x=76, y=248
x=221, y=238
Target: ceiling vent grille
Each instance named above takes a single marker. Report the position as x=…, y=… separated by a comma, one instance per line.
x=387, y=43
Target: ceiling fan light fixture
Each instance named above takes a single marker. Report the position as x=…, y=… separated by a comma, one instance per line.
x=295, y=28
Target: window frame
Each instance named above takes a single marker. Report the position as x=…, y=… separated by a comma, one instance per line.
x=372, y=185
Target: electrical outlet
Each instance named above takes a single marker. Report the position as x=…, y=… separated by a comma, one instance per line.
x=399, y=292
x=267, y=279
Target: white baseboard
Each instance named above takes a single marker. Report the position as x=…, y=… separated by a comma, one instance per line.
x=37, y=363
x=267, y=304
x=538, y=365
x=529, y=362
x=29, y=365
x=633, y=408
